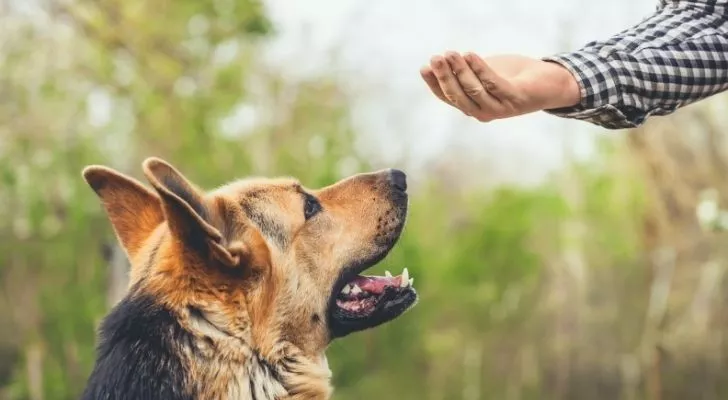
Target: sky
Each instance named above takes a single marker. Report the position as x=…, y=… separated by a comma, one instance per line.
x=376, y=47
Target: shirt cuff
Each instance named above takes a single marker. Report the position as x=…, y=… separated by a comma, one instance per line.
x=599, y=85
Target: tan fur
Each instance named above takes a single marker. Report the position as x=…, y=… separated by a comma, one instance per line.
x=253, y=297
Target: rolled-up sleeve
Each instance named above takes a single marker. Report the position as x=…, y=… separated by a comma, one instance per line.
x=677, y=56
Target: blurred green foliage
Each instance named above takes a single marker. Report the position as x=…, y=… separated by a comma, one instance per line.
x=501, y=272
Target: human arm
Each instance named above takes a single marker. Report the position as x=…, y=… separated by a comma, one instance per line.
x=675, y=57
x=500, y=86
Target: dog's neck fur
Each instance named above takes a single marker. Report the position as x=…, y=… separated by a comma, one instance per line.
x=228, y=366
x=222, y=355
x=149, y=350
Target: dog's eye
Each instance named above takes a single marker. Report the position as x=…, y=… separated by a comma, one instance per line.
x=311, y=207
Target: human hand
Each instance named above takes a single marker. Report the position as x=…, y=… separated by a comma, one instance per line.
x=502, y=87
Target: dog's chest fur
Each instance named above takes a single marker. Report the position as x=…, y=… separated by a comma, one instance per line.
x=223, y=365
x=254, y=380
x=217, y=376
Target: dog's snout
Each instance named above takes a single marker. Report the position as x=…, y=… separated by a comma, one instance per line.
x=398, y=179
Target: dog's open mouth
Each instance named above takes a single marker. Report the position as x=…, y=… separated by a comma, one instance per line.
x=369, y=301
x=361, y=295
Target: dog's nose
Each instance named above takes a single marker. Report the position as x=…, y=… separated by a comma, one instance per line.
x=398, y=179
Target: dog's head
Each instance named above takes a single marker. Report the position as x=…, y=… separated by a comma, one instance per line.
x=267, y=259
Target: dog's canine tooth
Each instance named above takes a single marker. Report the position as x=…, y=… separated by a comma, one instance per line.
x=412, y=281
x=346, y=289
x=356, y=289
x=405, y=278
x=387, y=274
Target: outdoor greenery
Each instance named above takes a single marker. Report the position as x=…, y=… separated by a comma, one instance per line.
x=599, y=284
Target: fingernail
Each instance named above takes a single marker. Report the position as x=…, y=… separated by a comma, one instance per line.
x=436, y=61
x=450, y=55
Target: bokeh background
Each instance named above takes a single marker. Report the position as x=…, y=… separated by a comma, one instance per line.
x=555, y=260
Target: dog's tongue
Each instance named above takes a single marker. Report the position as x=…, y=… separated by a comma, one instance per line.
x=376, y=284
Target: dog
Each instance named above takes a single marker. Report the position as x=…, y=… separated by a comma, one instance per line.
x=236, y=293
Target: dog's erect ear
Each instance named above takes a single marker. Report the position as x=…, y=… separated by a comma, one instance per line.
x=187, y=216
x=134, y=210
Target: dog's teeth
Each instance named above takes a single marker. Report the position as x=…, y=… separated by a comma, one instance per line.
x=356, y=289
x=387, y=274
x=346, y=289
x=412, y=281
x=405, y=278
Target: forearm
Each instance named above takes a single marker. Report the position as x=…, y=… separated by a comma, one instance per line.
x=674, y=58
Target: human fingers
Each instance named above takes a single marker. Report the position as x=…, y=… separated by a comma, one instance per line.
x=494, y=84
x=429, y=77
x=473, y=87
x=451, y=87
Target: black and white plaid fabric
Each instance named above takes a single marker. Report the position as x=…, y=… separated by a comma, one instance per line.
x=675, y=57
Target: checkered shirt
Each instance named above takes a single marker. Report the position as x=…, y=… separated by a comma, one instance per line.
x=673, y=58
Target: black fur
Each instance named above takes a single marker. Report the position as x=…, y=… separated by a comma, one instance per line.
x=137, y=357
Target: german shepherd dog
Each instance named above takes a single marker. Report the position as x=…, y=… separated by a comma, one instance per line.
x=236, y=293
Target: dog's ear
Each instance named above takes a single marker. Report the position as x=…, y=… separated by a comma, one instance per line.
x=134, y=210
x=187, y=215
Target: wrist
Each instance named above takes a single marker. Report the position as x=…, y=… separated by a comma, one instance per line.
x=569, y=91
x=549, y=85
